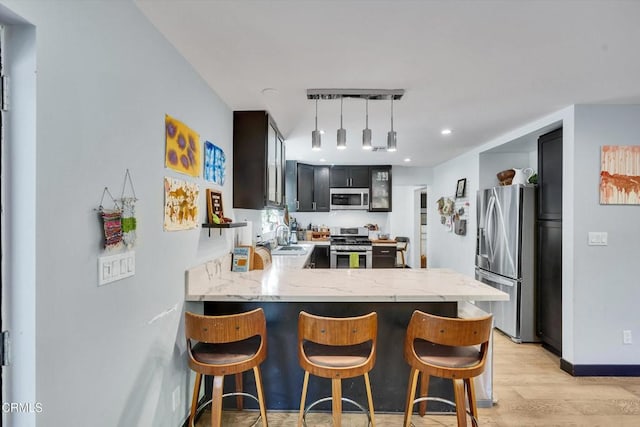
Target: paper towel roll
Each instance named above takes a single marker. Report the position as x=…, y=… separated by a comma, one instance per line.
x=245, y=235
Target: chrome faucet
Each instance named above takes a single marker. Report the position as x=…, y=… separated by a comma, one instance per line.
x=283, y=241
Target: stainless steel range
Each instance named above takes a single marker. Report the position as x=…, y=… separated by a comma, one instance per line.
x=350, y=248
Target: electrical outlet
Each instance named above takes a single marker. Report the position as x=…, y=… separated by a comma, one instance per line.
x=175, y=398
x=626, y=337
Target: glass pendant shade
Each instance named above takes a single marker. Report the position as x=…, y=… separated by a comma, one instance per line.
x=366, y=133
x=391, y=141
x=391, y=135
x=342, y=139
x=316, y=142
x=366, y=139
x=342, y=133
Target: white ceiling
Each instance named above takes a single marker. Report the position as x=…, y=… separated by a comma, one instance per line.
x=481, y=68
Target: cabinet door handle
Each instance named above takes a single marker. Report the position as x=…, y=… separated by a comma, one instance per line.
x=385, y=252
x=297, y=204
x=314, y=205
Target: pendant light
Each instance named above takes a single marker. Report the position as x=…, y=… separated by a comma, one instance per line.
x=342, y=133
x=391, y=135
x=316, y=143
x=366, y=133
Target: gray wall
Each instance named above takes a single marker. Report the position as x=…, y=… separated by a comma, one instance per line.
x=105, y=79
x=606, y=289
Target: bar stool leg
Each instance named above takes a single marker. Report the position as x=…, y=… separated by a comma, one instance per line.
x=336, y=406
x=260, y=392
x=411, y=391
x=303, y=399
x=458, y=390
x=216, y=401
x=424, y=390
x=367, y=384
x=471, y=395
x=194, y=398
x=239, y=399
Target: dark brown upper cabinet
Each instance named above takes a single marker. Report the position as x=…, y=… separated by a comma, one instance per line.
x=349, y=177
x=258, y=161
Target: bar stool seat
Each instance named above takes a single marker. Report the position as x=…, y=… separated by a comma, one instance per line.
x=336, y=348
x=226, y=345
x=447, y=348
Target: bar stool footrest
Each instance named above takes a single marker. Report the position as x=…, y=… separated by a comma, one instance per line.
x=208, y=402
x=474, y=422
x=329, y=399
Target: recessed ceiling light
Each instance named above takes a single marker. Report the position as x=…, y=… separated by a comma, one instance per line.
x=269, y=91
x=445, y=131
x=407, y=159
x=323, y=160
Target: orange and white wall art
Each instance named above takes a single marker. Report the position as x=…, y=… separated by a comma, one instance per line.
x=180, y=204
x=182, y=147
x=620, y=175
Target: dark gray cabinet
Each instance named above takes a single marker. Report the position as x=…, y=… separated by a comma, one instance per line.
x=550, y=176
x=258, y=161
x=311, y=186
x=380, y=189
x=349, y=177
x=383, y=257
x=320, y=257
x=549, y=242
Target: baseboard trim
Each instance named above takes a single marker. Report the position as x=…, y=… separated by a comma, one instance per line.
x=600, y=370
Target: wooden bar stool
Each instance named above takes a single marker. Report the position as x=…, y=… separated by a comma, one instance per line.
x=401, y=248
x=226, y=345
x=448, y=348
x=337, y=348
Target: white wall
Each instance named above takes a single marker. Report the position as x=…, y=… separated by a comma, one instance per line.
x=19, y=217
x=606, y=290
x=445, y=249
x=105, y=79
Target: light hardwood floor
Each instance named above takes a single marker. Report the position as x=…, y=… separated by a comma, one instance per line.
x=530, y=389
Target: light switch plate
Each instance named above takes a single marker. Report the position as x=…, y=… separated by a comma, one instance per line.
x=598, y=238
x=116, y=267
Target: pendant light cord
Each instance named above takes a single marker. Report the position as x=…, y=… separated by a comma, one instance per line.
x=316, y=114
x=392, y=114
x=367, y=114
x=341, y=98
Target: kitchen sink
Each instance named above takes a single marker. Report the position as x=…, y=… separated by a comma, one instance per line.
x=289, y=250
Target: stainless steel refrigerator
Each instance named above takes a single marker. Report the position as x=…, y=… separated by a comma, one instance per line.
x=505, y=252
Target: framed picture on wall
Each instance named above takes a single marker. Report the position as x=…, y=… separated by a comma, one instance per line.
x=461, y=188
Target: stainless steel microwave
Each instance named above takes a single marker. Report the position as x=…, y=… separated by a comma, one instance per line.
x=349, y=199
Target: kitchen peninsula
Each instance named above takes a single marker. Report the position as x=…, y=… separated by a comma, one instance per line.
x=286, y=288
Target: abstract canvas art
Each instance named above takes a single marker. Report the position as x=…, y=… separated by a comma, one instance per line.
x=620, y=175
x=180, y=204
x=182, y=152
x=214, y=163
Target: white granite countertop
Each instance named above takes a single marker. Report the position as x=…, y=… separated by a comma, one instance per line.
x=287, y=280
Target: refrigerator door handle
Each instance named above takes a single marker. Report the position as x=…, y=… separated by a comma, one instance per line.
x=489, y=228
x=503, y=233
x=495, y=278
